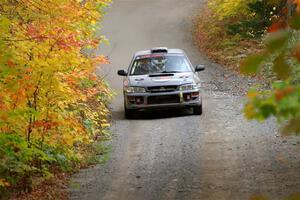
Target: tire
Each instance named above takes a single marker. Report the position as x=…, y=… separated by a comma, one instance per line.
x=128, y=113
x=197, y=110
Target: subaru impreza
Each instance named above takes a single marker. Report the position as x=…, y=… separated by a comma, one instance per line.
x=161, y=78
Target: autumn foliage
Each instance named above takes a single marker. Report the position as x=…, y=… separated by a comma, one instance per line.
x=52, y=105
x=228, y=31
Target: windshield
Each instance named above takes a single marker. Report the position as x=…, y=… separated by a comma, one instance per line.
x=151, y=64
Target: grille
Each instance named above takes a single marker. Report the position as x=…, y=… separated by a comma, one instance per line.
x=163, y=99
x=157, y=89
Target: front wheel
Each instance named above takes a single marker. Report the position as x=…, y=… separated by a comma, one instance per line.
x=197, y=110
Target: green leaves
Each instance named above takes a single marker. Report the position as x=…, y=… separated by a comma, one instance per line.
x=251, y=64
x=291, y=127
x=281, y=68
x=267, y=110
x=4, y=25
x=294, y=22
x=283, y=99
x=276, y=41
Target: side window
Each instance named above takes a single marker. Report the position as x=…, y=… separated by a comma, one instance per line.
x=133, y=67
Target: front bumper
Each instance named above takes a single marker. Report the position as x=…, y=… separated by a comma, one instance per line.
x=140, y=101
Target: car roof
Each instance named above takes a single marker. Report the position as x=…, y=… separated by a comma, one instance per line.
x=148, y=52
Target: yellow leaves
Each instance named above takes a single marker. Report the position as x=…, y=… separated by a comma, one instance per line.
x=105, y=125
x=224, y=9
x=249, y=111
x=252, y=95
x=4, y=183
x=103, y=113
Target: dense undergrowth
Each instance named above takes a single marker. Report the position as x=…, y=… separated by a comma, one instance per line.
x=53, y=108
x=228, y=31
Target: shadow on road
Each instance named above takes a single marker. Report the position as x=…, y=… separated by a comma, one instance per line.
x=154, y=114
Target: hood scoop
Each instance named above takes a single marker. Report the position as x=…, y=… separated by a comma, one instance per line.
x=159, y=75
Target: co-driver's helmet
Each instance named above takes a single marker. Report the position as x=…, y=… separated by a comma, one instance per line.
x=159, y=63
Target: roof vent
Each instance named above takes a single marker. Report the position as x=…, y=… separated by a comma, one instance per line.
x=159, y=50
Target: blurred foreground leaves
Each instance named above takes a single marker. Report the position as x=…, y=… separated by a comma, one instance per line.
x=282, y=98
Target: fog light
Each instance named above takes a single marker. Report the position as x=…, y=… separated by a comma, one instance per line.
x=195, y=94
x=130, y=98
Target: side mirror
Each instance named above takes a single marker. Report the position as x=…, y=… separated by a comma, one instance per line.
x=122, y=73
x=199, y=68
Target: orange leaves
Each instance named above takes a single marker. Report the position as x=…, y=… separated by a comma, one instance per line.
x=276, y=26
x=3, y=107
x=68, y=41
x=281, y=22
x=297, y=53
x=281, y=93
x=10, y=63
x=35, y=32
x=101, y=59
x=47, y=125
x=61, y=37
x=297, y=2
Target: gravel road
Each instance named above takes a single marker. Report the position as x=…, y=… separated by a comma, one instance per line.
x=173, y=154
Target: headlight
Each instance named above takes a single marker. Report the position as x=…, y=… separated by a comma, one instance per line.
x=189, y=87
x=135, y=90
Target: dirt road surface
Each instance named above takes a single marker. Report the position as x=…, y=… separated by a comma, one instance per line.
x=173, y=154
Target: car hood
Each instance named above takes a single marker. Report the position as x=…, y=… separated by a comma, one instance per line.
x=163, y=79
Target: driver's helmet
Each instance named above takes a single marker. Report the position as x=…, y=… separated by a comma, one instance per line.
x=159, y=63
